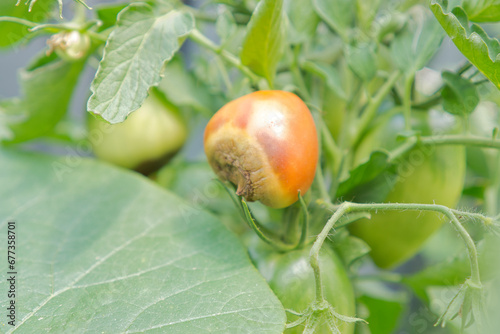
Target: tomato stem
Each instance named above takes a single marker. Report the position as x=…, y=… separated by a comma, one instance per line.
x=314, y=254
x=297, y=74
x=461, y=140
x=372, y=107
x=201, y=39
x=450, y=213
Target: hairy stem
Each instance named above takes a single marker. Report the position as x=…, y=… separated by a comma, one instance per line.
x=451, y=214
x=467, y=140
x=314, y=253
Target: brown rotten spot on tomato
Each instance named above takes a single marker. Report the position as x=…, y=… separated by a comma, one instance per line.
x=265, y=143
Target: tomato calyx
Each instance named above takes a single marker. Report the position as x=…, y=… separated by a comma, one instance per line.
x=318, y=311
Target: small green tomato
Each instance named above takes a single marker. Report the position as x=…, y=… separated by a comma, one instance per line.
x=147, y=139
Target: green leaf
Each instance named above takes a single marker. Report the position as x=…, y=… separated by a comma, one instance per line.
x=184, y=90
x=348, y=247
x=11, y=32
x=264, y=42
x=413, y=48
x=481, y=50
x=108, y=14
x=380, y=305
x=449, y=273
x=328, y=73
x=47, y=87
x=362, y=59
x=196, y=183
x=105, y=250
x=225, y=26
x=482, y=10
x=460, y=96
x=303, y=20
x=133, y=59
x=338, y=14
x=366, y=12
x=384, y=313
x=371, y=181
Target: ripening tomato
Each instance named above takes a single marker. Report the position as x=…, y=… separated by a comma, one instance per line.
x=428, y=174
x=265, y=143
x=148, y=138
x=291, y=278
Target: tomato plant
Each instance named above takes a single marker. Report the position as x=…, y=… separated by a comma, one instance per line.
x=355, y=143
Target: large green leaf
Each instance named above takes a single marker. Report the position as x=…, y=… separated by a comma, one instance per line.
x=100, y=250
x=471, y=40
x=482, y=10
x=47, y=86
x=264, y=42
x=11, y=32
x=133, y=59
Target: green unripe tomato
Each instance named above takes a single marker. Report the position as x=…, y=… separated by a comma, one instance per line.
x=291, y=278
x=428, y=174
x=147, y=139
x=69, y=45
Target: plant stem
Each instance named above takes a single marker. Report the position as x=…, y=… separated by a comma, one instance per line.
x=407, y=101
x=202, y=40
x=332, y=151
x=493, y=190
x=372, y=107
x=461, y=140
x=402, y=149
x=389, y=277
x=297, y=75
x=356, y=207
x=428, y=103
x=320, y=182
x=314, y=253
x=18, y=20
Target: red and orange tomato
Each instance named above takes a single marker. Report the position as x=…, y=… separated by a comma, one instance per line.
x=265, y=143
